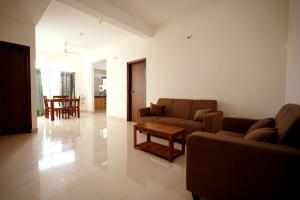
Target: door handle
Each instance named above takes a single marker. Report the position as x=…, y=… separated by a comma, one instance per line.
x=132, y=91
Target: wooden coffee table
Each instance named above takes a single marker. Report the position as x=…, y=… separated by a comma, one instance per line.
x=160, y=130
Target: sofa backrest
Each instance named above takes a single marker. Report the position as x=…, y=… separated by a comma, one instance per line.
x=288, y=125
x=185, y=108
x=181, y=108
x=168, y=105
x=202, y=104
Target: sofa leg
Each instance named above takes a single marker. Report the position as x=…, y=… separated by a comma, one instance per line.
x=196, y=196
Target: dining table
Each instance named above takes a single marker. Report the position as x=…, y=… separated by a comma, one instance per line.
x=66, y=103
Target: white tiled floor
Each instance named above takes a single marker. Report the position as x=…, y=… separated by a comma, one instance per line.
x=86, y=158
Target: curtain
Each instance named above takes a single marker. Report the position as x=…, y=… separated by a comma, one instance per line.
x=39, y=93
x=51, y=83
x=67, y=84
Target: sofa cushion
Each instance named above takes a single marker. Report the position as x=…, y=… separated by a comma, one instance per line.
x=190, y=125
x=231, y=134
x=202, y=104
x=156, y=110
x=262, y=134
x=167, y=103
x=264, y=123
x=181, y=108
x=169, y=120
x=148, y=119
x=200, y=114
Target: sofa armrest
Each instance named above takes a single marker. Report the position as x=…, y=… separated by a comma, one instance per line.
x=224, y=167
x=212, y=121
x=240, y=125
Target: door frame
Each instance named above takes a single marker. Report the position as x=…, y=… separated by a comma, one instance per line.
x=129, y=66
x=27, y=86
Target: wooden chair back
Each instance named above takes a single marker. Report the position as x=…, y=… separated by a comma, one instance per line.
x=60, y=97
x=61, y=103
x=75, y=102
x=46, y=102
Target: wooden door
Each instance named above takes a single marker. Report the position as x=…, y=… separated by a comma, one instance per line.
x=15, y=95
x=136, y=88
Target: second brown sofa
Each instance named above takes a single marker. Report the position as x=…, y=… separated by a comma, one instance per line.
x=180, y=112
x=228, y=166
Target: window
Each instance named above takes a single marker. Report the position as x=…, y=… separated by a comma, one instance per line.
x=51, y=81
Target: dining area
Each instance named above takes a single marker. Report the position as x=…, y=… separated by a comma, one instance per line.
x=56, y=97
x=60, y=107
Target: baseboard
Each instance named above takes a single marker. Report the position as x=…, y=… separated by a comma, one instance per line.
x=34, y=130
x=116, y=118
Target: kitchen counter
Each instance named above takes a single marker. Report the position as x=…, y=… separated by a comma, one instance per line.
x=100, y=102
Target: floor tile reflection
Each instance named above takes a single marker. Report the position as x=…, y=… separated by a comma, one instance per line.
x=87, y=158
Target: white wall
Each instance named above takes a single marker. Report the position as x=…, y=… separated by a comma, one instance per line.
x=237, y=55
x=293, y=63
x=23, y=33
x=57, y=62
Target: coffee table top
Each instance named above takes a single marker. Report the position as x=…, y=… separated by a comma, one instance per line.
x=160, y=128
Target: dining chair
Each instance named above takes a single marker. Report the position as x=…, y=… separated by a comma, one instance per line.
x=74, y=107
x=60, y=97
x=61, y=105
x=48, y=109
x=46, y=106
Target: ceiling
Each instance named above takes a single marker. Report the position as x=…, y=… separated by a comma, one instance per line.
x=83, y=32
x=61, y=23
x=25, y=10
x=157, y=12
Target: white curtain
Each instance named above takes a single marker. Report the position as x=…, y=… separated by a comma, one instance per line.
x=51, y=83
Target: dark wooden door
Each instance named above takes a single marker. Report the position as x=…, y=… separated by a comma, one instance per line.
x=15, y=95
x=137, y=88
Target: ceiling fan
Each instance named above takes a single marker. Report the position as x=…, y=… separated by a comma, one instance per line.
x=70, y=52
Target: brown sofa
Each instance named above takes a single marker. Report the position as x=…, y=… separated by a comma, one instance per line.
x=180, y=112
x=227, y=166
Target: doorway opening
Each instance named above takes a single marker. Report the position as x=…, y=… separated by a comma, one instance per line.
x=100, y=85
x=136, y=88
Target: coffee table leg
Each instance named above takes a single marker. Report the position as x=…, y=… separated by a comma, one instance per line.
x=134, y=136
x=148, y=137
x=183, y=144
x=171, y=148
